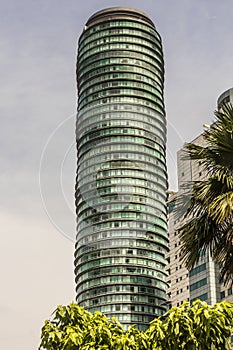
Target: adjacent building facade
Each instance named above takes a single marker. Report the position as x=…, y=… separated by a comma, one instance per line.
x=202, y=282
x=121, y=169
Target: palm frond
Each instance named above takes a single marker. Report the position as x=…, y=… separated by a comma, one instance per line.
x=207, y=206
x=196, y=237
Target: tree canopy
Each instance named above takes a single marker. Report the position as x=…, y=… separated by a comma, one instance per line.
x=209, y=214
x=199, y=326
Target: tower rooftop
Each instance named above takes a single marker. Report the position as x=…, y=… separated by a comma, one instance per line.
x=119, y=12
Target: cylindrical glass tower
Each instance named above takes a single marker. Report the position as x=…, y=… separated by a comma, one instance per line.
x=121, y=170
x=225, y=97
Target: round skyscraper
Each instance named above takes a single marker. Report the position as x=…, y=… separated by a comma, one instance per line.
x=121, y=169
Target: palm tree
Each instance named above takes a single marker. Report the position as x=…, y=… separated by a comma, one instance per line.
x=209, y=214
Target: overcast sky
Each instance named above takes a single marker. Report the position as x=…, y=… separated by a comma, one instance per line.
x=38, y=103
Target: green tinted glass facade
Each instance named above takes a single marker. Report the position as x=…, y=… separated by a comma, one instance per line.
x=121, y=171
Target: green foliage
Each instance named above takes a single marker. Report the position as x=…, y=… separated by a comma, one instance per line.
x=209, y=206
x=75, y=328
x=199, y=326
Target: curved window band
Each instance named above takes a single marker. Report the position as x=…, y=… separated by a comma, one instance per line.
x=119, y=23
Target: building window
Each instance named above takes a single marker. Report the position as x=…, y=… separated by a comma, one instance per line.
x=198, y=284
x=222, y=294
x=229, y=291
x=202, y=297
x=197, y=269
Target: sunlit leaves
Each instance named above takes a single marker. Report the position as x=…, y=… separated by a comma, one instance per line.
x=199, y=326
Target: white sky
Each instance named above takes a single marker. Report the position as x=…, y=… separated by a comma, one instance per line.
x=37, y=105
